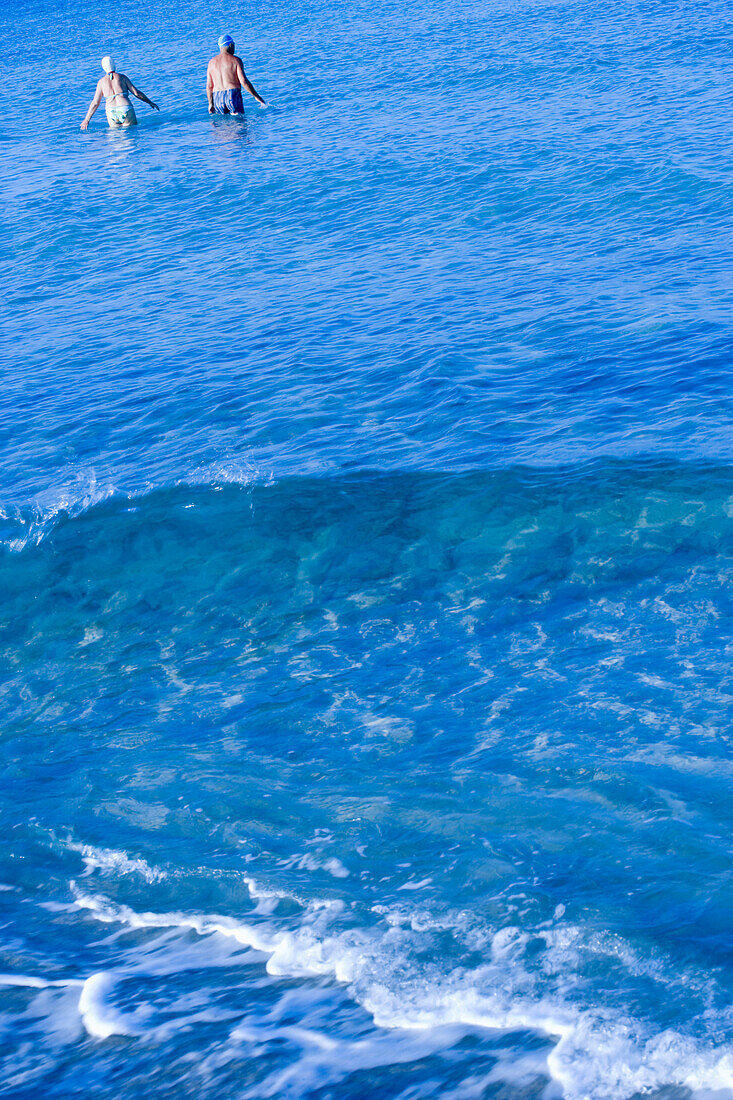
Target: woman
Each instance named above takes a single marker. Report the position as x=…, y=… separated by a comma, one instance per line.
x=115, y=88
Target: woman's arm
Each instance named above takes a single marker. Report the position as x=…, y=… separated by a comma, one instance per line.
x=140, y=95
x=92, y=107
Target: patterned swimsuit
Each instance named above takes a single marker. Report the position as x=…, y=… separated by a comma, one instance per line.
x=119, y=112
x=229, y=102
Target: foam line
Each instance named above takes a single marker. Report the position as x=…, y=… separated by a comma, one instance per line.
x=105, y=911
x=27, y=981
x=596, y=1054
x=111, y=861
x=99, y=1019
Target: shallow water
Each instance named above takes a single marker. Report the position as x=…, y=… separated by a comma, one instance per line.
x=366, y=548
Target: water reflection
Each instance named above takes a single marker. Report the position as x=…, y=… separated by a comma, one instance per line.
x=230, y=130
x=122, y=145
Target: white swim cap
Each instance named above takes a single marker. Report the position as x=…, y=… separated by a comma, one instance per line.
x=108, y=64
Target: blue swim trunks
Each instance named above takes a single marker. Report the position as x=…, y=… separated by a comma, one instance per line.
x=229, y=102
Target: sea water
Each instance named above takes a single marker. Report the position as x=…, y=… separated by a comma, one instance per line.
x=366, y=554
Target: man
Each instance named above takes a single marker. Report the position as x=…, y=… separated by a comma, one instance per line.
x=225, y=78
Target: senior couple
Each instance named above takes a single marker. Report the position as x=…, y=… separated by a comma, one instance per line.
x=225, y=78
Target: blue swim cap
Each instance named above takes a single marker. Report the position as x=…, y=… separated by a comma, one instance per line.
x=225, y=40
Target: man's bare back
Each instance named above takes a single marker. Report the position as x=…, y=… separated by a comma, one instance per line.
x=225, y=78
x=224, y=70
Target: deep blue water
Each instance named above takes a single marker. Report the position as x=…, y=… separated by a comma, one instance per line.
x=366, y=554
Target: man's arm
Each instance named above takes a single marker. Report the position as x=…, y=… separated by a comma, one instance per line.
x=140, y=95
x=210, y=88
x=92, y=106
x=245, y=82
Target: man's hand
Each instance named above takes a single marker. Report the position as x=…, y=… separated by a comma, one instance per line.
x=154, y=106
x=84, y=125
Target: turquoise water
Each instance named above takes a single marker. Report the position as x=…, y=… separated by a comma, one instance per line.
x=366, y=555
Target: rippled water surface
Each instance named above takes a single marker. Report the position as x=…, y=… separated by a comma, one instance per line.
x=366, y=555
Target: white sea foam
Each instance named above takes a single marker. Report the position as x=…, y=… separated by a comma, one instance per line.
x=595, y=1053
x=106, y=861
x=203, y=925
x=30, y=981
x=98, y=1016
x=309, y=862
x=266, y=898
x=112, y=861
